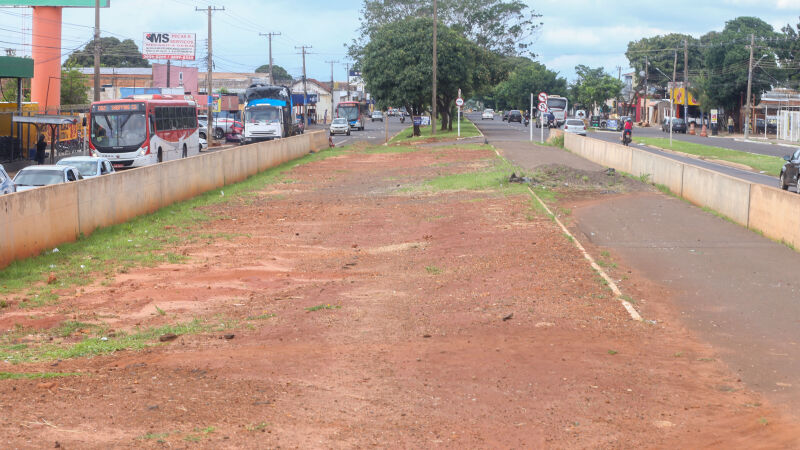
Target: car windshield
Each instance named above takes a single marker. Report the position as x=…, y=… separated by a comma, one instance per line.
x=349, y=112
x=38, y=177
x=268, y=114
x=574, y=122
x=340, y=121
x=86, y=168
x=118, y=129
x=556, y=103
x=677, y=121
x=488, y=111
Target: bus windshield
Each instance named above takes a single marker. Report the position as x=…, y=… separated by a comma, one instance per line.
x=268, y=114
x=123, y=129
x=349, y=112
x=557, y=103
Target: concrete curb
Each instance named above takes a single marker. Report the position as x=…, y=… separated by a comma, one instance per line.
x=721, y=162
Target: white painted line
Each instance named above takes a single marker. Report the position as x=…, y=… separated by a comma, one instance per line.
x=625, y=304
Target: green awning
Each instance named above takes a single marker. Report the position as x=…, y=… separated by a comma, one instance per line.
x=14, y=67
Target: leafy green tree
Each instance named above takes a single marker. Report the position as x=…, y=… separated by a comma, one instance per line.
x=594, y=87
x=789, y=48
x=73, y=87
x=727, y=56
x=528, y=78
x=397, y=66
x=280, y=74
x=501, y=26
x=113, y=53
x=658, y=53
x=8, y=88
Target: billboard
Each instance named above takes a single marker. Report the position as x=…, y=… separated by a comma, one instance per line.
x=65, y=3
x=180, y=46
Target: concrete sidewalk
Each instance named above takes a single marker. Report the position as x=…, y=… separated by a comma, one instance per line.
x=736, y=289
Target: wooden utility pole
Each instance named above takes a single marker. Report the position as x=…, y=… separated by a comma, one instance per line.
x=433, y=103
x=97, y=50
x=209, y=77
x=749, y=89
x=269, y=35
x=332, y=104
x=646, y=79
x=305, y=90
x=347, y=71
x=686, y=82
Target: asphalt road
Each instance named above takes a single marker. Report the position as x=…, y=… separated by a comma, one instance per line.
x=499, y=130
x=374, y=132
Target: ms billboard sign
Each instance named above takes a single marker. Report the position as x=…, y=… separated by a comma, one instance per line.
x=180, y=46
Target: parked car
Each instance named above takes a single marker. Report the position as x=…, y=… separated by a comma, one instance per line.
x=203, y=144
x=34, y=176
x=575, y=126
x=6, y=185
x=340, y=126
x=790, y=171
x=505, y=116
x=376, y=115
x=678, y=126
x=487, y=114
x=515, y=115
x=88, y=166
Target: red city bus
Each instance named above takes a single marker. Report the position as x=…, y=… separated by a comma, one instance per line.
x=143, y=130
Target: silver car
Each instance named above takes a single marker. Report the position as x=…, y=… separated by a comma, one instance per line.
x=6, y=185
x=575, y=126
x=88, y=166
x=35, y=176
x=340, y=126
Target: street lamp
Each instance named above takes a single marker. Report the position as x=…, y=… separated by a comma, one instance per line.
x=671, y=112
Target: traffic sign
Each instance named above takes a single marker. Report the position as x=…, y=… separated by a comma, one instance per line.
x=459, y=102
x=543, y=107
x=543, y=97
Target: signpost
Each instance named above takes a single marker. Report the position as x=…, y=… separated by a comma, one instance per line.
x=459, y=103
x=542, y=110
x=530, y=114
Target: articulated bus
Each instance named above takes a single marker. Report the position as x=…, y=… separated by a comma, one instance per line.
x=354, y=112
x=142, y=130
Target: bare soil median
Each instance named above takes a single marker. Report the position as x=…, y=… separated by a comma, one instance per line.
x=354, y=304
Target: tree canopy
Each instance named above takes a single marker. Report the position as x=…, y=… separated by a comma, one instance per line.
x=280, y=74
x=529, y=77
x=593, y=87
x=73, y=87
x=113, y=53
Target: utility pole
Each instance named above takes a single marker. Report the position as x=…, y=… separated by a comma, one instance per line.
x=305, y=90
x=169, y=68
x=646, y=76
x=269, y=35
x=749, y=90
x=672, y=96
x=347, y=71
x=97, y=50
x=686, y=82
x=433, y=104
x=332, y=104
x=209, y=78
x=619, y=73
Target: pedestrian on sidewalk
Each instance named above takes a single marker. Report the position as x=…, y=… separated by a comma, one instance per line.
x=41, y=146
x=730, y=125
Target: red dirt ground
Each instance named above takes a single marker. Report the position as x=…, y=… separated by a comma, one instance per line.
x=416, y=352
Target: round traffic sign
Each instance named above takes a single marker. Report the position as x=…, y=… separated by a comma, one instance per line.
x=543, y=107
x=459, y=101
x=542, y=97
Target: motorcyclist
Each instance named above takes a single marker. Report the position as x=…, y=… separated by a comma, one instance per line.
x=627, y=131
x=551, y=119
x=527, y=117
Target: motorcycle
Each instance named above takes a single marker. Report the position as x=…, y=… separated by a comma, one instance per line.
x=402, y=119
x=626, y=137
x=526, y=120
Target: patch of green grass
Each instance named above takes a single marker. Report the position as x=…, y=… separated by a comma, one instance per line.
x=433, y=270
x=495, y=176
x=665, y=190
x=69, y=327
x=157, y=436
x=44, y=297
x=318, y=307
x=612, y=352
x=768, y=164
x=142, y=241
x=468, y=129
x=256, y=426
x=606, y=264
x=390, y=149
x=557, y=141
x=93, y=346
x=261, y=317
x=160, y=311
x=36, y=376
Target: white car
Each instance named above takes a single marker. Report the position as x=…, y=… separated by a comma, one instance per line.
x=6, y=185
x=376, y=115
x=487, y=114
x=203, y=144
x=34, y=176
x=575, y=126
x=88, y=166
x=340, y=126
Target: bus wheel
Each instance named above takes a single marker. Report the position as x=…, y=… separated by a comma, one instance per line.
x=185, y=152
x=160, y=155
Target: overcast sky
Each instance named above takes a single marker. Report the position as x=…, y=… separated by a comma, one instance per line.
x=591, y=32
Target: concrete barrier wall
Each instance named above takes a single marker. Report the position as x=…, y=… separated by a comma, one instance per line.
x=726, y=195
x=43, y=218
x=661, y=170
x=776, y=213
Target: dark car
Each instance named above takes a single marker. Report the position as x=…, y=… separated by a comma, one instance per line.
x=515, y=115
x=505, y=116
x=678, y=126
x=790, y=171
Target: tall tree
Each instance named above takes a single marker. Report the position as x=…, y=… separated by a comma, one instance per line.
x=659, y=51
x=280, y=74
x=531, y=77
x=502, y=26
x=114, y=53
x=593, y=87
x=73, y=87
